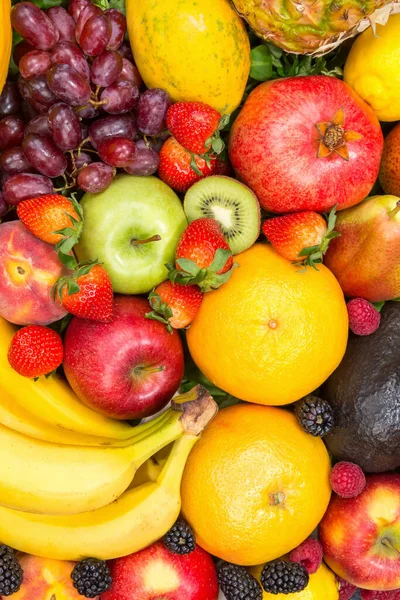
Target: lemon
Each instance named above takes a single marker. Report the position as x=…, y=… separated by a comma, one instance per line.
x=372, y=69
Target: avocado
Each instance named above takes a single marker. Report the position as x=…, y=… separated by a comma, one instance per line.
x=364, y=393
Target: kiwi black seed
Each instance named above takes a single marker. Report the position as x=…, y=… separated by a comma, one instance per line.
x=229, y=202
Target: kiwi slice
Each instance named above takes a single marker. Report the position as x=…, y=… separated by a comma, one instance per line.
x=229, y=202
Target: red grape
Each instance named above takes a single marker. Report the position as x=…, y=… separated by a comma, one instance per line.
x=63, y=22
x=95, y=35
x=26, y=185
x=120, y=97
x=10, y=100
x=145, y=162
x=65, y=126
x=130, y=73
x=13, y=160
x=3, y=205
x=152, y=110
x=34, y=25
x=117, y=151
x=76, y=6
x=40, y=125
x=118, y=25
x=66, y=53
x=125, y=51
x=41, y=92
x=24, y=89
x=106, y=68
x=68, y=85
x=81, y=159
x=34, y=63
x=88, y=111
x=11, y=132
x=95, y=177
x=44, y=155
x=20, y=50
x=110, y=127
x=86, y=13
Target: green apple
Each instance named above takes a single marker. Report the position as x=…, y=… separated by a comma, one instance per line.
x=133, y=228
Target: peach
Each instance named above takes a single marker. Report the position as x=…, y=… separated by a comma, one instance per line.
x=28, y=270
x=46, y=579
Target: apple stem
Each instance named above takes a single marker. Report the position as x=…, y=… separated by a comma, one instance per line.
x=149, y=369
x=388, y=544
x=395, y=210
x=153, y=238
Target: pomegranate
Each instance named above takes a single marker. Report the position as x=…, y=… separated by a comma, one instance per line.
x=306, y=143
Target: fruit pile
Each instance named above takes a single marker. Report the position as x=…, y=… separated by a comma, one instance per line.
x=199, y=301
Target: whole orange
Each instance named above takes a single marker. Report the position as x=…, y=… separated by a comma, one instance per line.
x=255, y=485
x=274, y=332
x=389, y=173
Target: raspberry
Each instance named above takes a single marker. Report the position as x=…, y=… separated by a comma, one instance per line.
x=371, y=595
x=346, y=589
x=347, y=479
x=309, y=554
x=364, y=319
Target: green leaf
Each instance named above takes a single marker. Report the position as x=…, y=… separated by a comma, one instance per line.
x=67, y=260
x=220, y=259
x=396, y=299
x=223, y=122
x=194, y=166
x=218, y=145
x=44, y=4
x=261, y=63
x=188, y=266
x=378, y=305
x=72, y=287
x=67, y=245
x=308, y=251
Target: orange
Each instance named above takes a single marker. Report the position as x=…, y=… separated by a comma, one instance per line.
x=255, y=485
x=274, y=332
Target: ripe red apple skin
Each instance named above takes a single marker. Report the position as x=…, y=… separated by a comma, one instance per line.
x=353, y=529
x=273, y=145
x=366, y=257
x=155, y=573
x=128, y=368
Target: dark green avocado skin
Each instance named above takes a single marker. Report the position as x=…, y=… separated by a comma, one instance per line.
x=364, y=393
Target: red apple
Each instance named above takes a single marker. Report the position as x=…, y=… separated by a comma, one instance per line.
x=361, y=536
x=127, y=369
x=306, y=143
x=155, y=573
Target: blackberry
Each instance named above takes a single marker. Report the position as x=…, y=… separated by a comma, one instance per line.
x=91, y=577
x=314, y=415
x=280, y=577
x=238, y=584
x=180, y=538
x=11, y=572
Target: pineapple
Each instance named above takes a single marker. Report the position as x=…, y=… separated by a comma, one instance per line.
x=313, y=26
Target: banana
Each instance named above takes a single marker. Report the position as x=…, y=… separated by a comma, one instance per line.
x=49, y=478
x=138, y=518
x=52, y=400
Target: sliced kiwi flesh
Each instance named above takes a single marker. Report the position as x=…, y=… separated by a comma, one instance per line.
x=229, y=202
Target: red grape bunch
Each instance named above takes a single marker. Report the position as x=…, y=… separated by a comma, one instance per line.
x=77, y=111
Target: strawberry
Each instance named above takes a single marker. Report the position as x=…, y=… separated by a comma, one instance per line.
x=174, y=304
x=87, y=293
x=180, y=169
x=202, y=256
x=196, y=126
x=56, y=220
x=301, y=237
x=35, y=350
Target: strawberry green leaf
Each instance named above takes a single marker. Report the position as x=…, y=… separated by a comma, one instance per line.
x=155, y=317
x=220, y=259
x=188, y=266
x=223, y=122
x=194, y=166
x=66, y=245
x=217, y=145
x=67, y=260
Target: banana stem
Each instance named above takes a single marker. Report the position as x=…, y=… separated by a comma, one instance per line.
x=171, y=474
x=166, y=433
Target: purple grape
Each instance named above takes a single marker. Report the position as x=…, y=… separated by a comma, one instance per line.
x=65, y=126
x=39, y=125
x=86, y=13
x=106, y=68
x=76, y=6
x=43, y=155
x=152, y=110
x=10, y=100
x=26, y=185
x=95, y=177
x=130, y=73
x=34, y=63
x=84, y=131
x=66, y=53
x=80, y=160
x=3, y=205
x=24, y=89
x=95, y=35
x=41, y=92
x=34, y=25
x=68, y=85
x=117, y=151
x=126, y=52
x=113, y=126
x=63, y=22
x=118, y=25
x=146, y=161
x=11, y=132
x=14, y=161
x=120, y=97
